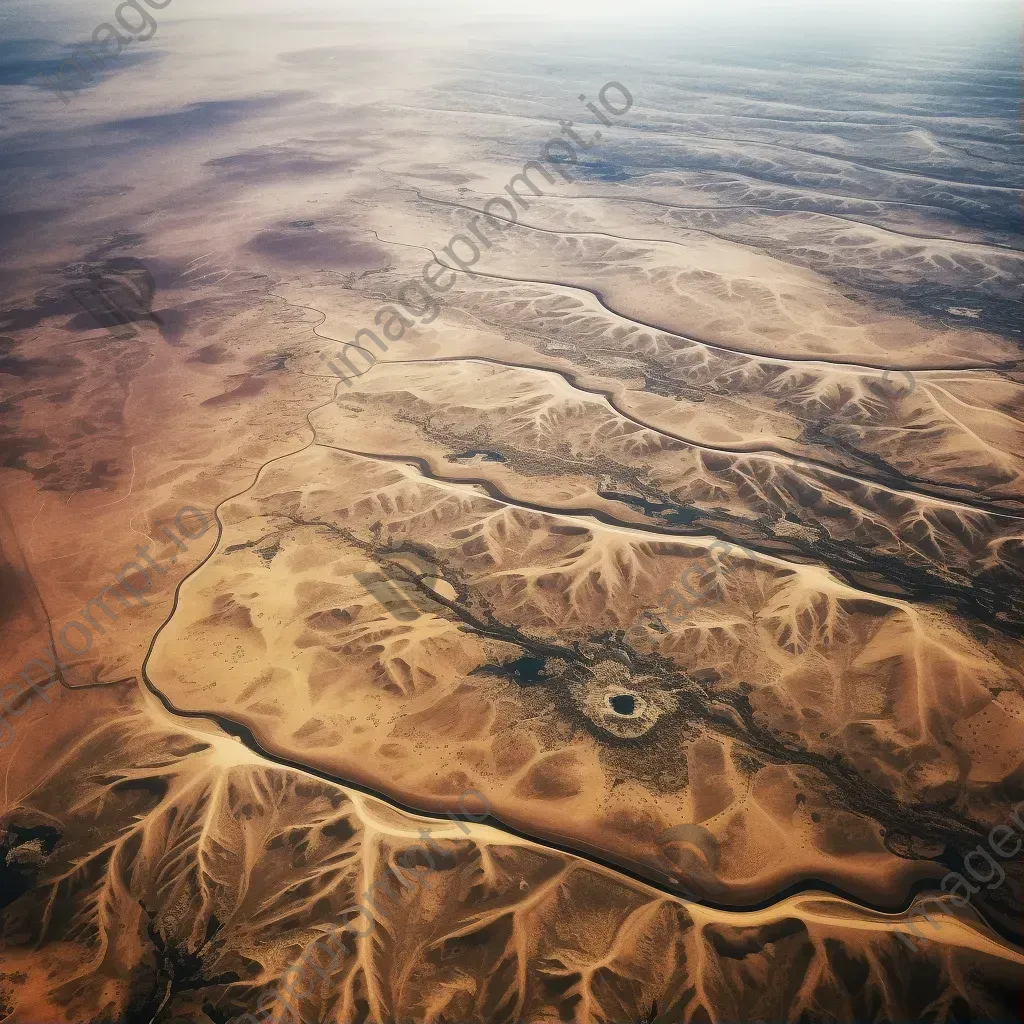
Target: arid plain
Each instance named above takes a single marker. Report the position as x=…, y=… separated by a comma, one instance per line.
x=680, y=521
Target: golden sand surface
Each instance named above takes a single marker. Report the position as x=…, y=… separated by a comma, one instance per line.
x=684, y=528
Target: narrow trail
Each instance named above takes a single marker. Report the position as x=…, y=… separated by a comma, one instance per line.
x=769, y=452
x=767, y=357
x=765, y=451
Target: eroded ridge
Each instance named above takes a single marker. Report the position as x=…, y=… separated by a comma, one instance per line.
x=164, y=871
x=794, y=717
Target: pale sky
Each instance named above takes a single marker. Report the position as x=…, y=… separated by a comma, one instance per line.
x=58, y=19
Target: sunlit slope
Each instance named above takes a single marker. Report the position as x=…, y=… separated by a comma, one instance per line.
x=165, y=871
x=540, y=440
x=729, y=293
x=815, y=730
x=901, y=399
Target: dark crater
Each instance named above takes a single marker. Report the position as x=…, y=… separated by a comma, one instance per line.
x=623, y=703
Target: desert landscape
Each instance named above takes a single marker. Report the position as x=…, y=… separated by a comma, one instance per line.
x=511, y=516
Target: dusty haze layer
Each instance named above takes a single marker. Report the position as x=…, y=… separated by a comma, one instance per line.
x=680, y=519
